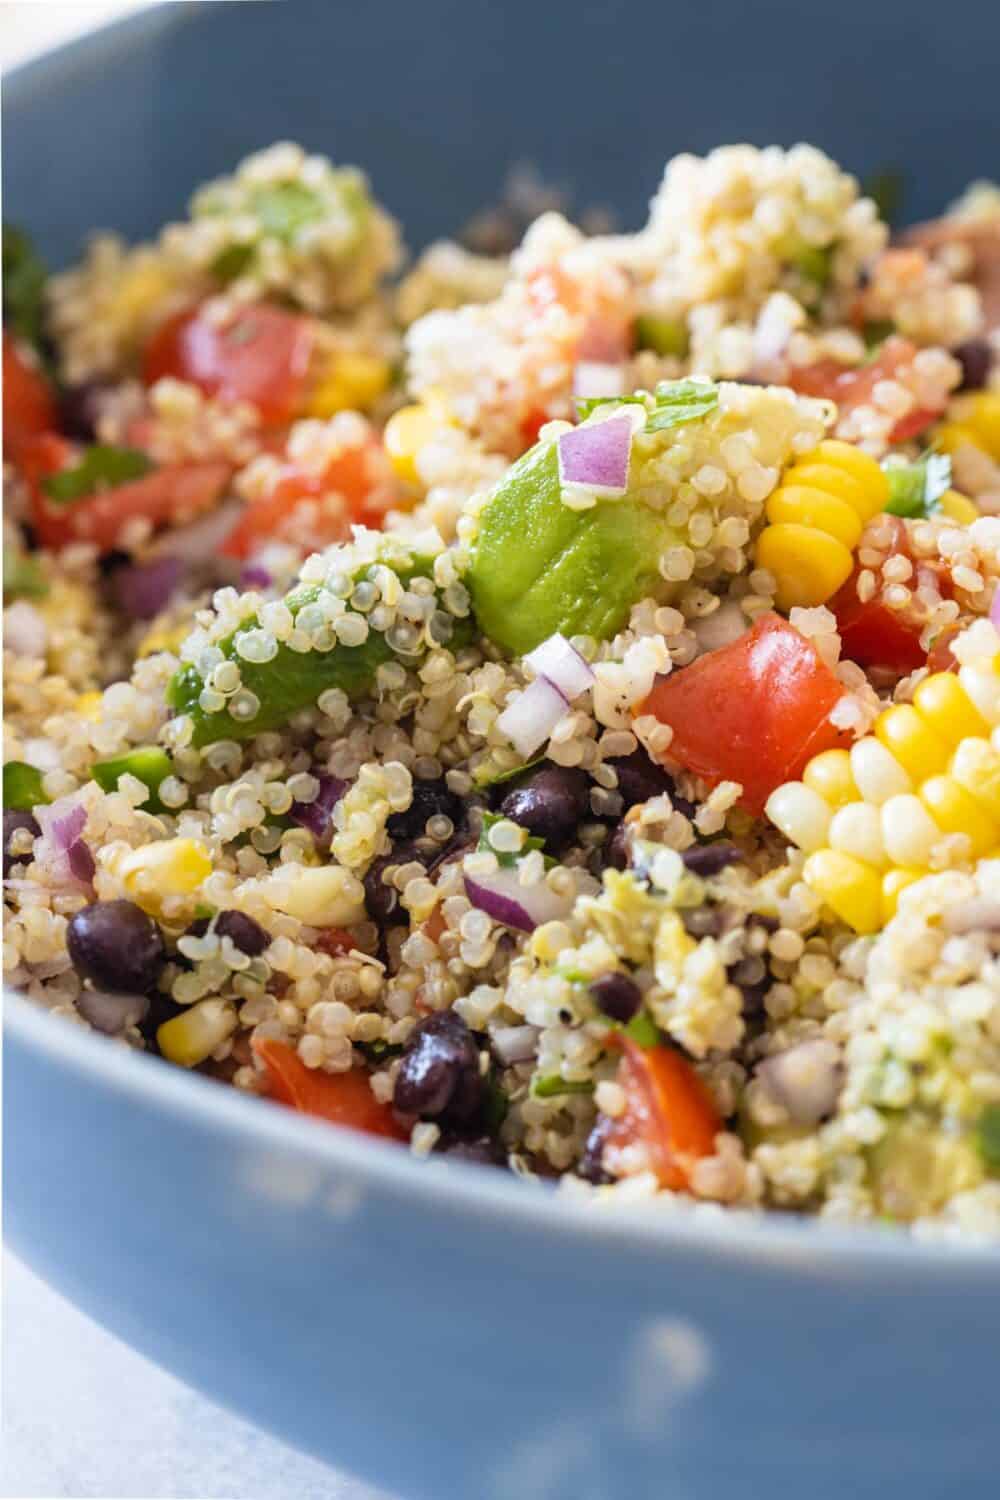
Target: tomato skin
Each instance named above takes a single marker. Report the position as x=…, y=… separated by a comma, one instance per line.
x=850, y=388
x=341, y=1098
x=279, y=515
x=29, y=407
x=668, y=1109
x=261, y=355
x=875, y=636
x=175, y=493
x=754, y=711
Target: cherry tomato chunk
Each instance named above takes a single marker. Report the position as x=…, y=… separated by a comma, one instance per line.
x=312, y=510
x=29, y=407
x=753, y=711
x=854, y=387
x=261, y=354
x=668, y=1110
x=340, y=1098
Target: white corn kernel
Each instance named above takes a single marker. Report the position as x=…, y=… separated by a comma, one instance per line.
x=909, y=833
x=801, y=814
x=856, y=829
x=876, y=771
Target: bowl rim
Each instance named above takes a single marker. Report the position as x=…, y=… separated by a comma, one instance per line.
x=456, y=1189
x=459, y=1191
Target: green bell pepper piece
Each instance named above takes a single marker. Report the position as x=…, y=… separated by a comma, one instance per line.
x=148, y=764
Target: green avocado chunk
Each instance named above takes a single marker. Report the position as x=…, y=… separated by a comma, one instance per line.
x=294, y=680
x=539, y=567
x=148, y=764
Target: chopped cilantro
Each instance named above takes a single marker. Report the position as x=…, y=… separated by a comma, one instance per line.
x=885, y=188
x=102, y=467
x=587, y=404
x=643, y=1030
x=915, y=489
x=379, y=1051
x=988, y=1137
x=506, y=860
x=815, y=263
x=22, y=577
x=552, y=1086
x=283, y=208
x=484, y=779
x=679, y=401
x=231, y=262
x=875, y=333
x=24, y=278
x=495, y=1105
x=22, y=786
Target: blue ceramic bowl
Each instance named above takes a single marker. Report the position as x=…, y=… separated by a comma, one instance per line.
x=445, y=1331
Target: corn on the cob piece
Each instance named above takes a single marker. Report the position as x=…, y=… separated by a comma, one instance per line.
x=871, y=819
x=816, y=517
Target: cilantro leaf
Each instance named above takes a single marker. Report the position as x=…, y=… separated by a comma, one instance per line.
x=680, y=401
x=485, y=779
x=553, y=1085
x=283, y=208
x=815, y=263
x=24, y=278
x=102, y=467
x=507, y=861
x=587, y=404
x=915, y=489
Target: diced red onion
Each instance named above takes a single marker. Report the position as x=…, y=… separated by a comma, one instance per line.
x=594, y=379
x=531, y=718
x=562, y=665
x=81, y=861
x=514, y=1044
x=24, y=630
x=317, y=816
x=254, y=576
x=143, y=589
x=111, y=1013
x=67, y=826
x=502, y=896
x=805, y=1079
x=596, y=455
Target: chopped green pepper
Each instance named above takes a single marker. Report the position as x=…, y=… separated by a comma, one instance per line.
x=148, y=764
x=24, y=278
x=553, y=1085
x=22, y=786
x=915, y=489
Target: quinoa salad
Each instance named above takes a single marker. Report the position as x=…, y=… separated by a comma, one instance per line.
x=537, y=702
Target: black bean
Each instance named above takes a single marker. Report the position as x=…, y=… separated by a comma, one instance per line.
x=242, y=931
x=616, y=849
x=439, y=1077
x=13, y=822
x=431, y=799
x=617, y=996
x=976, y=358
x=381, y=897
x=709, y=859
x=161, y=1008
x=80, y=409
x=116, y=946
x=640, y=778
x=550, y=803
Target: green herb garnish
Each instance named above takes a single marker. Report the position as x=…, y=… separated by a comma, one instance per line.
x=643, y=1030
x=916, y=489
x=875, y=333
x=885, y=188
x=102, y=467
x=22, y=577
x=680, y=401
x=988, y=1137
x=283, y=208
x=815, y=263
x=22, y=786
x=232, y=262
x=585, y=405
x=553, y=1085
x=485, y=779
x=506, y=860
x=24, y=277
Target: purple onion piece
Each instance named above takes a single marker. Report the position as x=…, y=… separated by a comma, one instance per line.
x=596, y=455
x=318, y=816
x=524, y=907
x=66, y=829
x=254, y=576
x=111, y=1012
x=81, y=861
x=144, y=589
x=502, y=908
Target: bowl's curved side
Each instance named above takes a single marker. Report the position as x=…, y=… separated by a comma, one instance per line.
x=449, y=1348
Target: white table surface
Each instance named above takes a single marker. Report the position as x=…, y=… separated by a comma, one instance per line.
x=85, y=1416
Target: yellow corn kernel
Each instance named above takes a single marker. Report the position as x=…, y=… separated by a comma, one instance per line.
x=976, y=767
x=321, y=896
x=191, y=1037
x=942, y=703
x=802, y=815
x=164, y=868
x=913, y=743
x=861, y=467
x=958, y=508
x=877, y=774
x=954, y=811
x=88, y=706
x=951, y=436
x=410, y=429
x=164, y=639
x=804, y=505
x=829, y=775
x=893, y=883
x=138, y=289
x=353, y=382
x=852, y=889
x=808, y=565
x=909, y=833
x=831, y=478
x=979, y=413
x=857, y=830
x=981, y=682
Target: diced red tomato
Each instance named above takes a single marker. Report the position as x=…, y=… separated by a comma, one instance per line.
x=668, y=1110
x=872, y=634
x=532, y=425
x=941, y=657
x=754, y=711
x=29, y=406
x=851, y=388
x=341, y=1098
x=261, y=354
x=170, y=495
x=312, y=510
